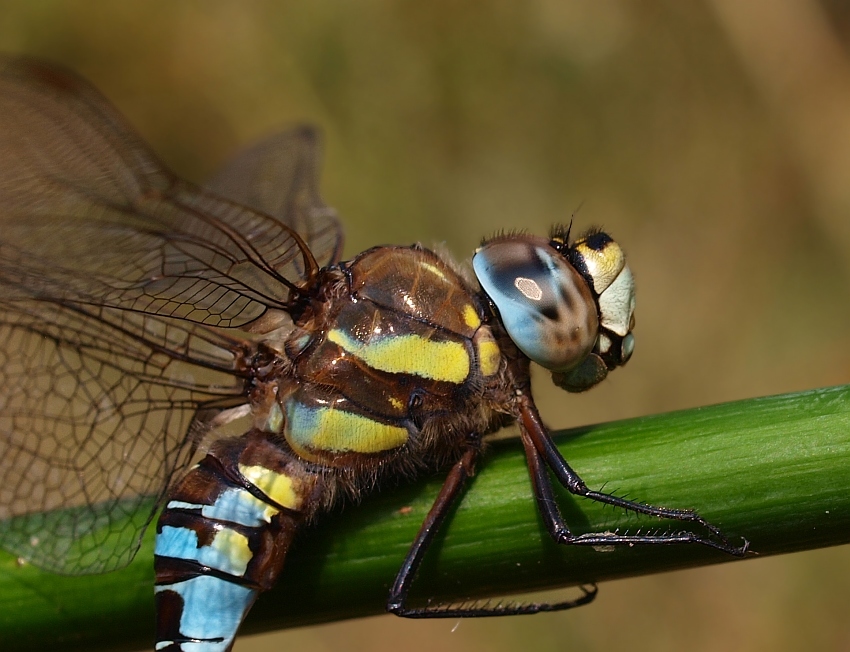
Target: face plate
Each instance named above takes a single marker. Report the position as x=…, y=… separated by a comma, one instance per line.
x=603, y=264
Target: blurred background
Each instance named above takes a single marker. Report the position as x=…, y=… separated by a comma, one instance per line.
x=712, y=139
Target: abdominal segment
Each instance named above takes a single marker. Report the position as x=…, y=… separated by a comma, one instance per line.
x=222, y=539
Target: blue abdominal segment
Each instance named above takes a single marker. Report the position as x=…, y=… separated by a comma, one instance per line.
x=212, y=627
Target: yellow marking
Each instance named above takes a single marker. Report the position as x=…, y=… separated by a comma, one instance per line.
x=274, y=420
x=470, y=317
x=409, y=354
x=234, y=546
x=489, y=356
x=264, y=510
x=397, y=404
x=434, y=270
x=280, y=488
x=341, y=430
x=317, y=429
x=603, y=266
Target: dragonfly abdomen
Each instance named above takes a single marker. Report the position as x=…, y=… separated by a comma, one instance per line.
x=222, y=539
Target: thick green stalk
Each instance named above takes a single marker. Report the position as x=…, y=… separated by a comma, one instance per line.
x=774, y=470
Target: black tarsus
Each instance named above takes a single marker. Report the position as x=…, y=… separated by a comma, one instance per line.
x=452, y=489
x=540, y=449
x=542, y=455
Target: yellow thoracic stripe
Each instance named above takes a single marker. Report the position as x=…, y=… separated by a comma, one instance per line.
x=436, y=271
x=409, y=354
x=470, y=317
x=327, y=429
x=348, y=431
x=489, y=356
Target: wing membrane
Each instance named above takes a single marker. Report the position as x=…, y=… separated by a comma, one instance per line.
x=279, y=176
x=116, y=282
x=79, y=189
x=95, y=408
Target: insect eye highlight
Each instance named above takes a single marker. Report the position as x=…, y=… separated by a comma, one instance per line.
x=546, y=307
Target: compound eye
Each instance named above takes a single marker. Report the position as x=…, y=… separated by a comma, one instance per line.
x=545, y=305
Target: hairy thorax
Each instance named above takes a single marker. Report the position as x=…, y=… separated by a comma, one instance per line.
x=393, y=369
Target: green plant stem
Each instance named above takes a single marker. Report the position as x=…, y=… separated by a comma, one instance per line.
x=775, y=470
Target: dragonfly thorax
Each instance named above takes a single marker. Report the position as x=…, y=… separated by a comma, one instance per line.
x=394, y=365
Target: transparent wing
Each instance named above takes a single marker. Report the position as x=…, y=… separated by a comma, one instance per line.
x=95, y=409
x=279, y=176
x=116, y=282
x=89, y=215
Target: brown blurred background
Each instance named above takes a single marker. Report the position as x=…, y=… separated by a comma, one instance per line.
x=711, y=138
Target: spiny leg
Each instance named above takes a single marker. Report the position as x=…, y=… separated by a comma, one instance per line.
x=539, y=447
x=452, y=489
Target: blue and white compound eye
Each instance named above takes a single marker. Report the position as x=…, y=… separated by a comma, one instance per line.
x=568, y=308
x=545, y=305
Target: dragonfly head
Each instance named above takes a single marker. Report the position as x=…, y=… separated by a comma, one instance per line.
x=568, y=307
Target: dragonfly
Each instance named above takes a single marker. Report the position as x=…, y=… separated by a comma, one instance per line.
x=209, y=347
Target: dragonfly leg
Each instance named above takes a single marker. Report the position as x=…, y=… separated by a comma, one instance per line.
x=540, y=449
x=452, y=489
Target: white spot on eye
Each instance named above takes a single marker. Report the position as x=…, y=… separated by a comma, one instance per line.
x=528, y=287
